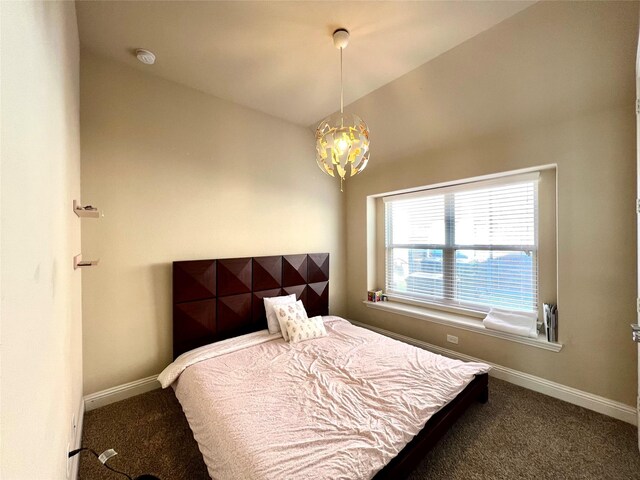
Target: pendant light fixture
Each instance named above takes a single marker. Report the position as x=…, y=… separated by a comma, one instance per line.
x=342, y=141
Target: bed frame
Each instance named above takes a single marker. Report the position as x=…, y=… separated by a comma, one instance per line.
x=222, y=298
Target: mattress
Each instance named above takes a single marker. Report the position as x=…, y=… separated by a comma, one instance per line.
x=336, y=407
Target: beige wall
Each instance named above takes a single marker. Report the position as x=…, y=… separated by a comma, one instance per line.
x=41, y=356
x=551, y=85
x=183, y=175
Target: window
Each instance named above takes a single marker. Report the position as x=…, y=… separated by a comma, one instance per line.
x=471, y=246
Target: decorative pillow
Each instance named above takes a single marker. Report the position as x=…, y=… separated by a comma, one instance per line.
x=305, y=329
x=289, y=311
x=272, y=320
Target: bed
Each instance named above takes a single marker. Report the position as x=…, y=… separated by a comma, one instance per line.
x=341, y=406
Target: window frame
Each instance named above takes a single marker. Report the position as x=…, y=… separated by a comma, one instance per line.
x=448, y=302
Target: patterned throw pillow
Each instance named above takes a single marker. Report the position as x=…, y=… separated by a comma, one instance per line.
x=305, y=329
x=288, y=311
x=269, y=303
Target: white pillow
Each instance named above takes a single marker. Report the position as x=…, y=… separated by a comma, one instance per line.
x=269, y=303
x=289, y=311
x=305, y=329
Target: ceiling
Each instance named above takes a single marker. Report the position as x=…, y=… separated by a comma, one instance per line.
x=278, y=57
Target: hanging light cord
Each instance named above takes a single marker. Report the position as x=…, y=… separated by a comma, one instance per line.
x=341, y=86
x=341, y=107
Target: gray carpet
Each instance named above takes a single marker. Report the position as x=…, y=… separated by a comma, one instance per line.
x=518, y=434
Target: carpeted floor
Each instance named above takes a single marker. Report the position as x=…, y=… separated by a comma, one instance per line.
x=518, y=434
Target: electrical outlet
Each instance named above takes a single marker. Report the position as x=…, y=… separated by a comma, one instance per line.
x=69, y=460
x=452, y=339
x=71, y=444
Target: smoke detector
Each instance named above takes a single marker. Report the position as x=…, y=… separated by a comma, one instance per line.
x=145, y=56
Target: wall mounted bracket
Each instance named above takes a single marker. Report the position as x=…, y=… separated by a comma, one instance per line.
x=79, y=263
x=87, y=211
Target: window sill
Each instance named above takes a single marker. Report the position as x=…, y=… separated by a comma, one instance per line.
x=460, y=321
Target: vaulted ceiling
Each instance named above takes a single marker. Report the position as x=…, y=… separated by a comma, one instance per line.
x=278, y=57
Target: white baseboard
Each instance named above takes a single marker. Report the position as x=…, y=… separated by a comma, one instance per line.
x=120, y=392
x=77, y=441
x=599, y=404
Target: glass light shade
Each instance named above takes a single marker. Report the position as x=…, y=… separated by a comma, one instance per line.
x=342, y=145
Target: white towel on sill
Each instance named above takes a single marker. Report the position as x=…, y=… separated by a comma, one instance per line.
x=510, y=321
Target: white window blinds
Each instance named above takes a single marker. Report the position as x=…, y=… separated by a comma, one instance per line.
x=472, y=245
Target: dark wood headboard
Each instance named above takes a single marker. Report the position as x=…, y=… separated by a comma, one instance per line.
x=218, y=299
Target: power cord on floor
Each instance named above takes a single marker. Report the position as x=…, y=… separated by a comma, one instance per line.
x=106, y=455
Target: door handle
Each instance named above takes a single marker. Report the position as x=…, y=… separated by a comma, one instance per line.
x=635, y=329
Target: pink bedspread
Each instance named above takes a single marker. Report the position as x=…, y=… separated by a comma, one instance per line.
x=337, y=407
